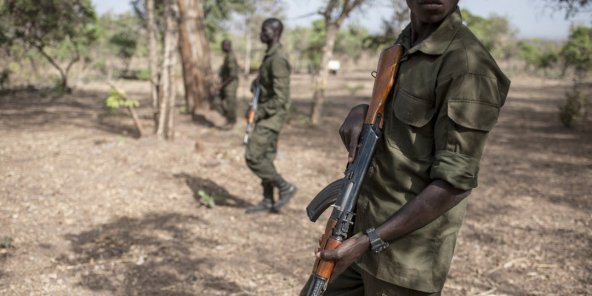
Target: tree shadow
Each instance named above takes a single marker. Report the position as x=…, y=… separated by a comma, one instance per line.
x=33, y=108
x=151, y=255
x=197, y=184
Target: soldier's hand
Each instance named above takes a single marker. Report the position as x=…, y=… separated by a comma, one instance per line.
x=351, y=128
x=346, y=254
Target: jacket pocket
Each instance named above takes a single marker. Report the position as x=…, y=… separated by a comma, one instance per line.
x=412, y=110
x=411, y=131
x=474, y=115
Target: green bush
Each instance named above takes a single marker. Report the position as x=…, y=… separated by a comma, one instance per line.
x=144, y=74
x=574, y=109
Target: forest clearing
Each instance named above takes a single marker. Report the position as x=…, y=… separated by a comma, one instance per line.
x=89, y=209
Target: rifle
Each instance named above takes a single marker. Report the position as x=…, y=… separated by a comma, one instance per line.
x=343, y=193
x=252, y=114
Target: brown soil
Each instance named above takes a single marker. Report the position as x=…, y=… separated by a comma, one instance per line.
x=88, y=209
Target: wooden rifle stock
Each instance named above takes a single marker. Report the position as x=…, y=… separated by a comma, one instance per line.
x=337, y=229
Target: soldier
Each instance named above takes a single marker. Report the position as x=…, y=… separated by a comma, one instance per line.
x=272, y=113
x=226, y=104
x=446, y=100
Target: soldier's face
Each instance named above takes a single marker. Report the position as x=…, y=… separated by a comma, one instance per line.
x=267, y=34
x=431, y=11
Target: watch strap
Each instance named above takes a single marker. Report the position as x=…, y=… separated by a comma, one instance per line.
x=376, y=243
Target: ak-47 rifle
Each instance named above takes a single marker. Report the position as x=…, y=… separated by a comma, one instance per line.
x=252, y=114
x=343, y=193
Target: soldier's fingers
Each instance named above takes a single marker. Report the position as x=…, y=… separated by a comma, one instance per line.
x=330, y=255
x=352, y=150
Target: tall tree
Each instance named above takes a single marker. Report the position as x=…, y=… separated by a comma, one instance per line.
x=165, y=128
x=49, y=24
x=191, y=78
x=334, y=14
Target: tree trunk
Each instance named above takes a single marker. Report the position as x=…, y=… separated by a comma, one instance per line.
x=248, y=46
x=201, y=52
x=137, y=122
x=190, y=75
x=321, y=78
x=167, y=86
x=152, y=58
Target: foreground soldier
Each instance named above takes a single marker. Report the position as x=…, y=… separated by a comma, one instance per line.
x=226, y=105
x=272, y=113
x=446, y=100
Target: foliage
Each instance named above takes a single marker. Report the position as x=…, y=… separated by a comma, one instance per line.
x=56, y=28
x=391, y=27
x=117, y=99
x=494, y=32
x=308, y=42
x=144, y=74
x=571, y=7
x=538, y=53
x=208, y=200
x=574, y=109
x=126, y=44
x=577, y=51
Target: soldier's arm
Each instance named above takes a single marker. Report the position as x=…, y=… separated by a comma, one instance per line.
x=280, y=70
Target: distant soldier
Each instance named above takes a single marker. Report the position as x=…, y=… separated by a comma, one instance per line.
x=272, y=113
x=226, y=104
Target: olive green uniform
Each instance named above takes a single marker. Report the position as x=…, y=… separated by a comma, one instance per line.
x=272, y=112
x=447, y=98
x=227, y=103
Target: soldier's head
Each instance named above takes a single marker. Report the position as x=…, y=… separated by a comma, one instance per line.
x=431, y=11
x=226, y=45
x=271, y=30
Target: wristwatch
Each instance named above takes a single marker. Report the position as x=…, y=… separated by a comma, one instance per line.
x=377, y=244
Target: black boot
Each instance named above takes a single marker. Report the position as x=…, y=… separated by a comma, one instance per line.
x=267, y=203
x=287, y=192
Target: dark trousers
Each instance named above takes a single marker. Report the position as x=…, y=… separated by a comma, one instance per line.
x=356, y=282
x=226, y=103
x=261, y=151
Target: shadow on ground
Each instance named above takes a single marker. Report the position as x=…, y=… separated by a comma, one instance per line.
x=224, y=198
x=151, y=255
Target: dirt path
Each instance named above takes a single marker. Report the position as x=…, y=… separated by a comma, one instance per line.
x=86, y=209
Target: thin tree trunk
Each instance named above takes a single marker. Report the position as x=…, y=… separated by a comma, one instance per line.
x=321, y=78
x=137, y=122
x=167, y=78
x=152, y=58
x=188, y=62
x=335, y=14
x=248, y=47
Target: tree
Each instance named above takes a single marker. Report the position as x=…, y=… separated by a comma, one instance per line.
x=495, y=32
x=539, y=54
x=391, y=27
x=152, y=58
x=577, y=53
x=334, y=14
x=571, y=7
x=166, y=95
x=125, y=44
x=51, y=24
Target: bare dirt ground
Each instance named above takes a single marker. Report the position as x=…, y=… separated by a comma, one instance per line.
x=88, y=209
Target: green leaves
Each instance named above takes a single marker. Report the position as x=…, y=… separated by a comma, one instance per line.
x=207, y=199
x=577, y=52
x=117, y=99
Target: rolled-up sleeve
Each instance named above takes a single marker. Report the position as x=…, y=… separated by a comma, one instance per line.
x=469, y=110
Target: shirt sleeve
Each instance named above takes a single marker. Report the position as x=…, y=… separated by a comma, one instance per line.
x=469, y=110
x=280, y=71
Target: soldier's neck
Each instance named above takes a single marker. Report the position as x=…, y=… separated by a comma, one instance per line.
x=420, y=30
